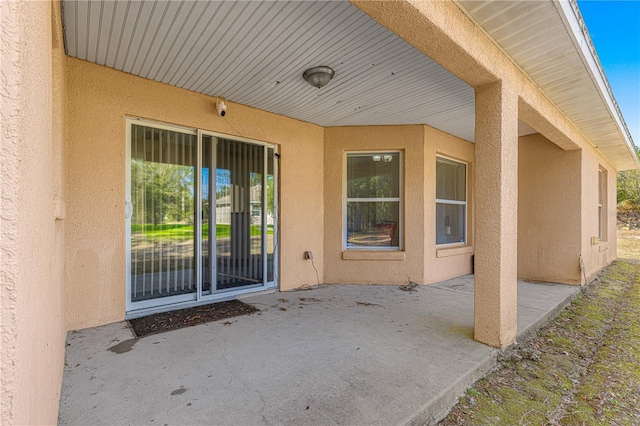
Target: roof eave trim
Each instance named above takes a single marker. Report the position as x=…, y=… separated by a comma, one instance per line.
x=570, y=13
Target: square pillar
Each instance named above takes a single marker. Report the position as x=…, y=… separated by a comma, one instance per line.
x=496, y=218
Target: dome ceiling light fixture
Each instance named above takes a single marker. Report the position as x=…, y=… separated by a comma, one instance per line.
x=318, y=76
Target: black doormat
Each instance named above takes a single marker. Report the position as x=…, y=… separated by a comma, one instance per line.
x=166, y=321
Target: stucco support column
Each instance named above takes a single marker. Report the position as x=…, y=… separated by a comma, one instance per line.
x=496, y=218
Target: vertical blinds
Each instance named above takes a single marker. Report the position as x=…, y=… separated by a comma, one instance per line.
x=239, y=218
x=162, y=193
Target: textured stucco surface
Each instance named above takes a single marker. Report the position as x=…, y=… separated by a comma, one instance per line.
x=549, y=208
x=443, y=32
x=99, y=100
x=600, y=255
x=419, y=262
x=33, y=323
x=338, y=141
x=496, y=241
x=444, y=263
x=62, y=223
x=440, y=30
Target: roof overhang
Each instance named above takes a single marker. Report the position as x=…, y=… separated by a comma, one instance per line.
x=548, y=40
x=255, y=53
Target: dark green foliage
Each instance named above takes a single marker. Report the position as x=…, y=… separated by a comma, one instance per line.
x=629, y=185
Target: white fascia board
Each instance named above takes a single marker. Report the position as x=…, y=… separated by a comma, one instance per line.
x=570, y=14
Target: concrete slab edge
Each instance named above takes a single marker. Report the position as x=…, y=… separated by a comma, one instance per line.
x=437, y=408
x=532, y=328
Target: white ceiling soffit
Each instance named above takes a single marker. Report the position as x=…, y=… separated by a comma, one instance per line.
x=547, y=39
x=254, y=53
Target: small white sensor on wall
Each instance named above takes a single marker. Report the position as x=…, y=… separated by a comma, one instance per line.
x=221, y=107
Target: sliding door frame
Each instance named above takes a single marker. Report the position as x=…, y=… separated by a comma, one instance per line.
x=141, y=308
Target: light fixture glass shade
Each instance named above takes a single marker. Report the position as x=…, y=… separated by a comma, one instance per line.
x=318, y=76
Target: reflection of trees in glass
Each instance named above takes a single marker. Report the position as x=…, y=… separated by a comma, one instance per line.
x=365, y=215
x=256, y=180
x=223, y=182
x=372, y=223
x=270, y=192
x=162, y=193
x=370, y=187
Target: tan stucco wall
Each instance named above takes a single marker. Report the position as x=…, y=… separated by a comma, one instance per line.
x=444, y=263
x=549, y=209
x=417, y=260
x=599, y=255
x=558, y=212
x=440, y=30
x=364, y=270
x=99, y=100
x=496, y=239
x=35, y=221
x=32, y=230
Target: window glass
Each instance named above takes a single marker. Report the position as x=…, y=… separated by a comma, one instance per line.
x=451, y=179
x=450, y=223
x=373, y=200
x=373, y=175
x=373, y=224
x=451, y=201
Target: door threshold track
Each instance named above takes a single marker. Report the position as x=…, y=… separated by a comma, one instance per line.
x=257, y=293
x=222, y=297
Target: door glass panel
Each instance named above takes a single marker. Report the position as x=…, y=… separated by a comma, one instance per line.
x=239, y=192
x=271, y=213
x=162, y=194
x=169, y=193
x=208, y=219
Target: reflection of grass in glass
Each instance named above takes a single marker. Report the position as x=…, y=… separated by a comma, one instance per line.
x=182, y=232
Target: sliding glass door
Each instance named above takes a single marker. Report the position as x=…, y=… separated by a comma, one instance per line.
x=201, y=216
x=162, y=242
x=239, y=197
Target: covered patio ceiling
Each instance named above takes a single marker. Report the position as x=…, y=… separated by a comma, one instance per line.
x=255, y=52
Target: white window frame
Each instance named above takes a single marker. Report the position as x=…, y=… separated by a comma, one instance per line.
x=455, y=202
x=399, y=199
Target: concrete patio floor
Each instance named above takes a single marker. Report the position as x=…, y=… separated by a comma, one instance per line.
x=340, y=354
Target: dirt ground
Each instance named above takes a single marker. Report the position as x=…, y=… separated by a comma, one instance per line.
x=581, y=369
x=173, y=320
x=628, y=243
